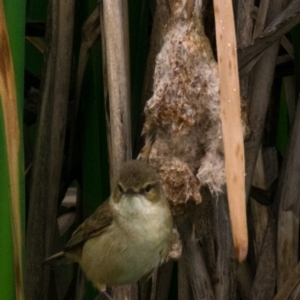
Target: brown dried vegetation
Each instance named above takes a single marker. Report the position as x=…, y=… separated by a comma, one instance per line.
x=183, y=141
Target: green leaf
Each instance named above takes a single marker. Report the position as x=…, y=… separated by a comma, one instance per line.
x=11, y=154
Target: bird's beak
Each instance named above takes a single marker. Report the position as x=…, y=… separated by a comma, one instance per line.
x=130, y=192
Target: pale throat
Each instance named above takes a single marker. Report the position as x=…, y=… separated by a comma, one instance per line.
x=144, y=216
x=135, y=204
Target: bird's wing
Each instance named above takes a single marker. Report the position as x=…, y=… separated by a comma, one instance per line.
x=95, y=225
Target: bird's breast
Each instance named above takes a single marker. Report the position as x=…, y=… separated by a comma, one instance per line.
x=137, y=242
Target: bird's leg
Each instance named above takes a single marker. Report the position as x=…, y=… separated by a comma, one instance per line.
x=102, y=289
x=101, y=297
x=107, y=295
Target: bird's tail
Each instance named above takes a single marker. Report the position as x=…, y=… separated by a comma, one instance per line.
x=55, y=257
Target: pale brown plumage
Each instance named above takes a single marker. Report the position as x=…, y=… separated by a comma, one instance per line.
x=129, y=235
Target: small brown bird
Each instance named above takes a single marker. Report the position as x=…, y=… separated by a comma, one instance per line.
x=129, y=235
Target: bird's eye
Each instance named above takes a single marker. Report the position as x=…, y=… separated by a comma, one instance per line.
x=120, y=188
x=148, y=188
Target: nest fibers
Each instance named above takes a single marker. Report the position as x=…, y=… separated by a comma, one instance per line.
x=183, y=134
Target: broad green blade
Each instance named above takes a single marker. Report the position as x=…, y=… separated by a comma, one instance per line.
x=11, y=155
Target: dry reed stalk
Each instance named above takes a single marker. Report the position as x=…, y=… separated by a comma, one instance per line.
x=261, y=18
x=280, y=25
x=244, y=28
x=115, y=30
x=289, y=210
x=224, y=277
x=47, y=166
x=231, y=124
x=192, y=255
x=116, y=35
x=289, y=285
x=89, y=34
x=160, y=19
x=260, y=91
x=164, y=277
x=265, y=278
